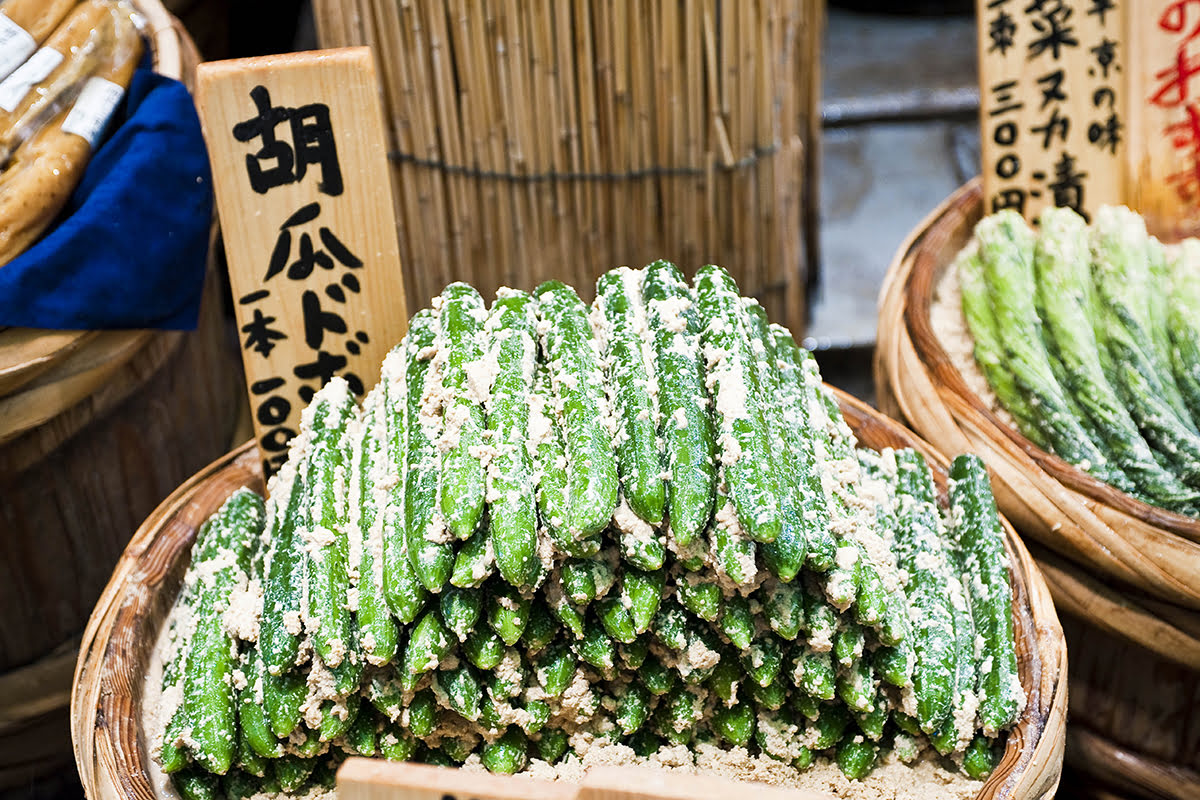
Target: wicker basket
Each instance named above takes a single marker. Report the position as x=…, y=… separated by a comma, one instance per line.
x=1118, y=569
x=111, y=752
x=95, y=429
x=555, y=140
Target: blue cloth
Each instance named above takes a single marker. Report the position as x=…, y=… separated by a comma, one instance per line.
x=130, y=248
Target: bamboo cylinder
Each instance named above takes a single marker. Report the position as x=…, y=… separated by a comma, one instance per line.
x=556, y=140
x=95, y=429
x=1125, y=575
x=111, y=753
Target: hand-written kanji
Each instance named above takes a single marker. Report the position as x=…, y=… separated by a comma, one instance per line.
x=305, y=251
x=1050, y=105
x=1052, y=33
x=260, y=336
x=1175, y=92
x=329, y=267
x=308, y=256
x=1001, y=28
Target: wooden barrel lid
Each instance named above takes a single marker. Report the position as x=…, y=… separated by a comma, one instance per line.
x=26, y=353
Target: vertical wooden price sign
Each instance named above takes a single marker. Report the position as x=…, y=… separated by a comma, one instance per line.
x=1053, y=104
x=301, y=178
x=1085, y=103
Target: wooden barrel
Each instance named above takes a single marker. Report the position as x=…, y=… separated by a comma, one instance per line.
x=111, y=752
x=1125, y=575
x=207, y=23
x=544, y=140
x=95, y=429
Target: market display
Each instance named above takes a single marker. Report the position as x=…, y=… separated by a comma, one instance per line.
x=1088, y=337
x=55, y=102
x=548, y=530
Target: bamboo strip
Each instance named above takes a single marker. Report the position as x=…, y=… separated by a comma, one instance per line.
x=539, y=139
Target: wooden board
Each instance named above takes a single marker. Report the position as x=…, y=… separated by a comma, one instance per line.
x=1092, y=102
x=301, y=177
x=1163, y=160
x=1046, y=94
x=112, y=752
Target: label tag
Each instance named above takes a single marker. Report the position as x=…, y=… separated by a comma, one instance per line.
x=92, y=109
x=1164, y=134
x=16, y=86
x=16, y=45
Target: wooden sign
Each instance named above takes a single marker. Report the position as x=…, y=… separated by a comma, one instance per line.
x=374, y=779
x=301, y=177
x=1091, y=102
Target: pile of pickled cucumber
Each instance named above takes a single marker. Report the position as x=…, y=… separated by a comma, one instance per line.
x=552, y=527
x=1090, y=338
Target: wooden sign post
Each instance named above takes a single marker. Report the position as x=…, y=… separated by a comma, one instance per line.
x=301, y=177
x=1091, y=102
x=375, y=779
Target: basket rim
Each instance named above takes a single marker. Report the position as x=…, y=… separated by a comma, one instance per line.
x=105, y=703
x=168, y=41
x=1050, y=680
x=1171, y=633
x=918, y=297
x=1112, y=568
